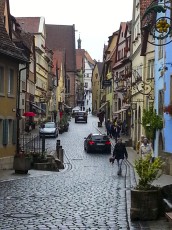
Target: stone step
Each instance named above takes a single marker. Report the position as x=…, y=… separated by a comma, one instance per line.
x=168, y=215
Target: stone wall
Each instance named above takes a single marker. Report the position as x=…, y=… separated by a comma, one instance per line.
x=6, y=162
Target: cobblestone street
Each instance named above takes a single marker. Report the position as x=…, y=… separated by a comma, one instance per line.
x=87, y=194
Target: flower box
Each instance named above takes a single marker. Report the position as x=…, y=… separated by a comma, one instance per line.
x=168, y=109
x=22, y=164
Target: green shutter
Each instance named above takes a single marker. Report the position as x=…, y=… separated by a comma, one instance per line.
x=14, y=135
x=5, y=132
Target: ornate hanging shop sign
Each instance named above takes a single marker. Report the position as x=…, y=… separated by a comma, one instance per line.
x=160, y=28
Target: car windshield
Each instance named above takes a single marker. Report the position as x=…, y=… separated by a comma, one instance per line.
x=100, y=137
x=50, y=125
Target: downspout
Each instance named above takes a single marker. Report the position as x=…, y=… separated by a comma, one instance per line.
x=18, y=115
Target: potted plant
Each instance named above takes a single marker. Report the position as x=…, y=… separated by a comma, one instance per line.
x=145, y=197
x=63, y=124
x=22, y=162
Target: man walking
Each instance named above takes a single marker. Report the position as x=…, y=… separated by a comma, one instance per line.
x=119, y=153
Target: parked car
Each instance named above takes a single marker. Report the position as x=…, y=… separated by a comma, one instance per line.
x=49, y=129
x=81, y=116
x=97, y=142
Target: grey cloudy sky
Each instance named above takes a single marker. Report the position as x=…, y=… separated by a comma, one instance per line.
x=95, y=20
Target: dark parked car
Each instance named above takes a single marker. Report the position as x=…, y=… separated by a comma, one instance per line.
x=97, y=142
x=81, y=116
x=49, y=129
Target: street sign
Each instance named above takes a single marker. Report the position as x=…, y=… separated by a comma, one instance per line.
x=107, y=83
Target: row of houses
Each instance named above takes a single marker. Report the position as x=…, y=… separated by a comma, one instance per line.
x=136, y=74
x=41, y=71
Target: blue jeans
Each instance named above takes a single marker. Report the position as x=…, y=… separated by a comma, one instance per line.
x=119, y=162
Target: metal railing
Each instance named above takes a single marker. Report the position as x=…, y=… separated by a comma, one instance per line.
x=32, y=143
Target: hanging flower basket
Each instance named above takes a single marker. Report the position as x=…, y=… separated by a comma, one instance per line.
x=168, y=109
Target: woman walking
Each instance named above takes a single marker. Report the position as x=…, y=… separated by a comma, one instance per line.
x=119, y=153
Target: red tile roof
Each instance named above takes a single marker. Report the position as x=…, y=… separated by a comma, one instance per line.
x=58, y=60
x=29, y=24
x=62, y=37
x=89, y=59
x=7, y=47
x=80, y=55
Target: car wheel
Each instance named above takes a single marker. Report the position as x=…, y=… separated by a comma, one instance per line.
x=88, y=150
x=86, y=121
x=75, y=121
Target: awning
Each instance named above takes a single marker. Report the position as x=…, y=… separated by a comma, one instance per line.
x=103, y=105
x=120, y=111
x=37, y=107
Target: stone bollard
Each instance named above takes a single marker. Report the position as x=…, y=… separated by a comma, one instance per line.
x=58, y=142
x=58, y=147
x=61, y=155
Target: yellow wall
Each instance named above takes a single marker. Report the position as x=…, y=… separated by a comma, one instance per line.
x=95, y=90
x=8, y=106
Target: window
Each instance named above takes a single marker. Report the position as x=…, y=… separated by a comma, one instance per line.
x=11, y=82
x=5, y=132
x=14, y=138
x=1, y=80
x=10, y=130
x=86, y=84
x=150, y=73
x=87, y=74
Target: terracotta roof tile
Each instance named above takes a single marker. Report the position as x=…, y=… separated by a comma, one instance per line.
x=89, y=59
x=29, y=24
x=7, y=47
x=80, y=54
x=62, y=37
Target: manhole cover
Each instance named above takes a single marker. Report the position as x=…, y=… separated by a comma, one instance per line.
x=21, y=215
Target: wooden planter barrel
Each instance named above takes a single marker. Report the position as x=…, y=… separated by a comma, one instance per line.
x=21, y=165
x=144, y=205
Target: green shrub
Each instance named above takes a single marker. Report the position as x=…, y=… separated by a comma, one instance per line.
x=148, y=171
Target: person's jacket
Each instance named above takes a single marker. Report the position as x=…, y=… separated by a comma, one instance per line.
x=120, y=151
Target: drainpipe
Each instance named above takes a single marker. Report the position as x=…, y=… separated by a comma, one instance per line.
x=18, y=108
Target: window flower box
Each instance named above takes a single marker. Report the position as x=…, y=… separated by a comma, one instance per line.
x=168, y=109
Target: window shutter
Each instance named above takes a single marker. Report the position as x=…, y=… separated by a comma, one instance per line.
x=5, y=132
x=14, y=135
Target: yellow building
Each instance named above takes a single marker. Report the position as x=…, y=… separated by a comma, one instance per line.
x=96, y=87
x=107, y=77
x=10, y=58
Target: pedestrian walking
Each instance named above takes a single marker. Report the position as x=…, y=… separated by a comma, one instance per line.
x=146, y=148
x=89, y=110
x=87, y=101
x=119, y=153
x=101, y=116
x=108, y=127
x=139, y=143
